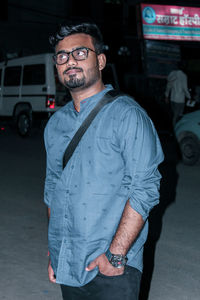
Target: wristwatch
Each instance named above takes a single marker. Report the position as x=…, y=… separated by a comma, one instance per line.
x=116, y=260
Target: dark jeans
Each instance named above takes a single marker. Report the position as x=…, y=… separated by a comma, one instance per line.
x=122, y=287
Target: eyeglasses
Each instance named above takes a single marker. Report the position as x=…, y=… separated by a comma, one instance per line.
x=78, y=54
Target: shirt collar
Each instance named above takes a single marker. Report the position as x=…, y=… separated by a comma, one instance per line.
x=90, y=102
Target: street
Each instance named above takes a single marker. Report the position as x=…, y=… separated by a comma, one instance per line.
x=172, y=253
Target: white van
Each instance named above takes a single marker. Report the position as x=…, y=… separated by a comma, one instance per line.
x=30, y=89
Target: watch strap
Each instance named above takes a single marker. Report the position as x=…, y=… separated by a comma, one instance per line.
x=108, y=254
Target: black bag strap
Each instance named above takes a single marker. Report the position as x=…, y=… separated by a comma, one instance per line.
x=107, y=98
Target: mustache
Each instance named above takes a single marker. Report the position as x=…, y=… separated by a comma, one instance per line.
x=72, y=68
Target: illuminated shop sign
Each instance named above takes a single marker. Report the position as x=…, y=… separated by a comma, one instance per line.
x=167, y=22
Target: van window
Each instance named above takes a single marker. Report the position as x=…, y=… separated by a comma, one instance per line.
x=0, y=75
x=34, y=74
x=12, y=76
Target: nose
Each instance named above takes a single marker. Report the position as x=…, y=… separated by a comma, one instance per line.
x=71, y=60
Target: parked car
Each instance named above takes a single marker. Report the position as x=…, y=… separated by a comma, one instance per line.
x=187, y=131
x=30, y=89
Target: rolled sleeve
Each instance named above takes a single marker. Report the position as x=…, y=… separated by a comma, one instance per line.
x=142, y=154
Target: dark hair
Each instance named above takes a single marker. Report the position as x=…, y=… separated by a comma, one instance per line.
x=91, y=29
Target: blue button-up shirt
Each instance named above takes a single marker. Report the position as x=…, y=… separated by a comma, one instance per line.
x=116, y=160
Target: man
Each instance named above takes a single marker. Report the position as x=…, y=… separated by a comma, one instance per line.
x=177, y=90
x=99, y=204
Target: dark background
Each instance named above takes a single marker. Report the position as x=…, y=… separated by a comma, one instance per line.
x=26, y=25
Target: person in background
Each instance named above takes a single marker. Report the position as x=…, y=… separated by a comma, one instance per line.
x=176, y=91
x=98, y=205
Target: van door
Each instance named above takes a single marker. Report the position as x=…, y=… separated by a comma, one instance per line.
x=34, y=86
x=11, y=89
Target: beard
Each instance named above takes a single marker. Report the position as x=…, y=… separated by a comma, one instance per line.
x=73, y=82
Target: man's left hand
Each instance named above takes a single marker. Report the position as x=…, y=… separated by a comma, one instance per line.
x=104, y=266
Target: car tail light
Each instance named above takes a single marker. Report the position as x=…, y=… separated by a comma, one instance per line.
x=50, y=102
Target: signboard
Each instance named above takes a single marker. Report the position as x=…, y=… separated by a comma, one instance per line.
x=168, y=22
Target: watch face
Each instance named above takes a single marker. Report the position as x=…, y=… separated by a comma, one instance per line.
x=118, y=261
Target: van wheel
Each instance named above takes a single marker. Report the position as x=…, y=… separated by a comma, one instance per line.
x=190, y=150
x=23, y=124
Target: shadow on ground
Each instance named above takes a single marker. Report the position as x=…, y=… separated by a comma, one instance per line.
x=167, y=197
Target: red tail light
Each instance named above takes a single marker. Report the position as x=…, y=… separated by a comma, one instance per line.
x=50, y=102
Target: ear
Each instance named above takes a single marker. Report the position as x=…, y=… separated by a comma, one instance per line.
x=102, y=61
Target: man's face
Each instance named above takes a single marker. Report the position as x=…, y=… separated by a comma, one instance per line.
x=74, y=74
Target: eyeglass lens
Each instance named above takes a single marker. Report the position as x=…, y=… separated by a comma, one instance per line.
x=78, y=54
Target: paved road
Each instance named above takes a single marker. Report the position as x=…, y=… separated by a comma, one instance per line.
x=174, y=227
x=177, y=260
x=23, y=229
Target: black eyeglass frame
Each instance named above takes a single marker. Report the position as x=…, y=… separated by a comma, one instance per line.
x=72, y=53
